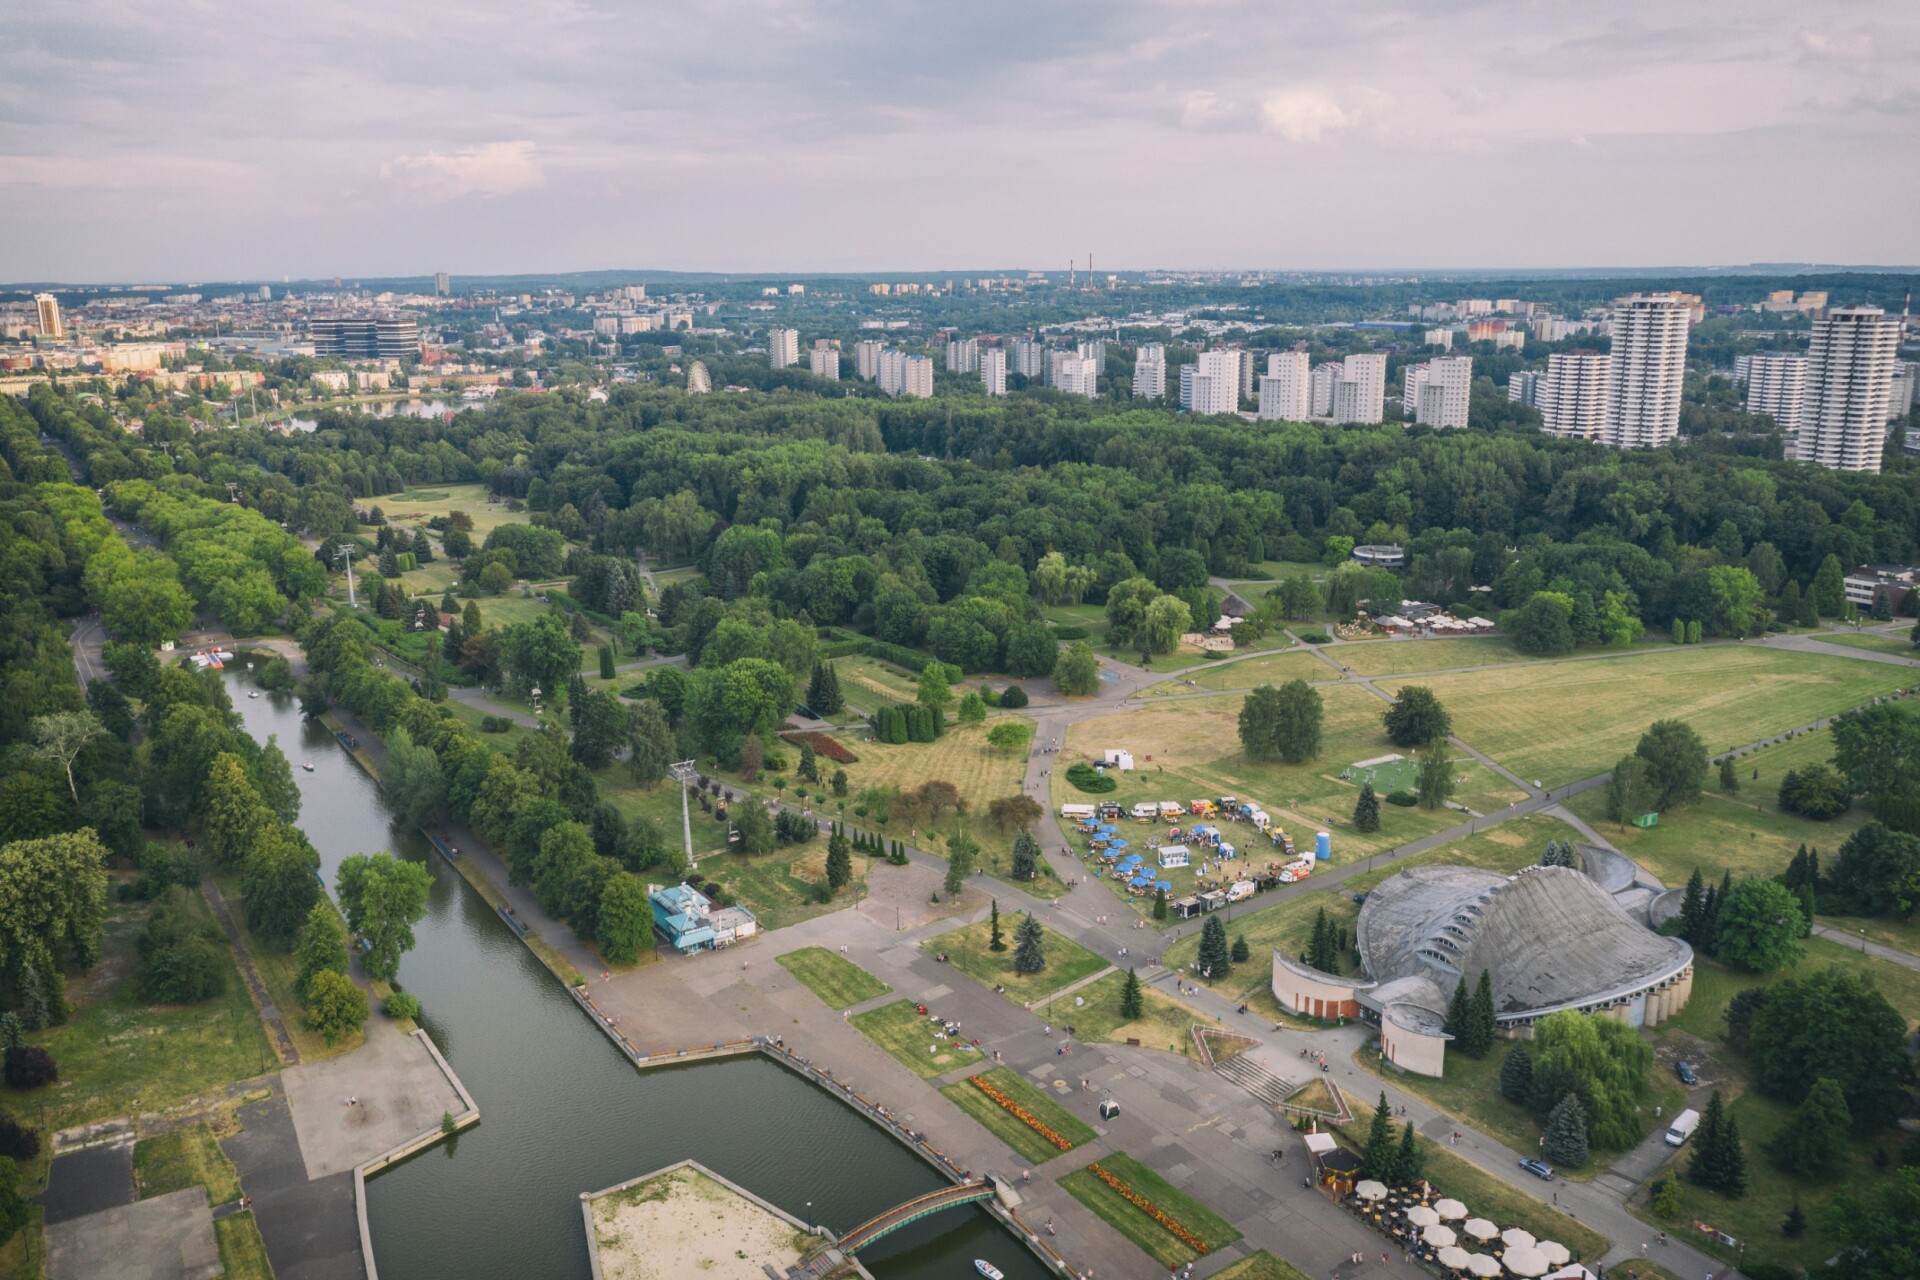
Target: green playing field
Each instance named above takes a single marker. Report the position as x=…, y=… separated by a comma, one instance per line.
x=1394, y=775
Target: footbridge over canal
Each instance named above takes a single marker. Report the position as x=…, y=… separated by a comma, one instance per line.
x=839, y=1254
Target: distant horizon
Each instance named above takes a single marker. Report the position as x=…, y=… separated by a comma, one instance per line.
x=691, y=275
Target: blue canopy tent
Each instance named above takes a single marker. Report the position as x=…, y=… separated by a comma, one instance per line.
x=1141, y=881
x=1165, y=886
x=1116, y=844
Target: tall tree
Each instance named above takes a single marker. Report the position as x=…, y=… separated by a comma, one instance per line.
x=61, y=736
x=322, y=947
x=1676, y=763
x=1366, y=809
x=1026, y=856
x=383, y=897
x=1758, y=926
x=1516, y=1075
x=995, y=941
x=840, y=864
x=1409, y=1161
x=1380, y=1155
x=1813, y=1141
x=1215, y=958
x=1029, y=946
x=1437, y=774
x=1132, y=1002
x=1565, y=1140
x=1416, y=717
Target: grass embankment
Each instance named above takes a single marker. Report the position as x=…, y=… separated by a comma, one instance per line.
x=1562, y=721
x=1897, y=644
x=912, y=1040
x=967, y=950
x=1168, y=1249
x=1487, y=1196
x=1195, y=750
x=1026, y=1142
x=1288, y=924
x=242, y=1252
x=837, y=981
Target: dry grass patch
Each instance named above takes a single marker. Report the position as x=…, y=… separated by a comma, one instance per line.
x=1391, y=657
x=417, y=505
x=1271, y=668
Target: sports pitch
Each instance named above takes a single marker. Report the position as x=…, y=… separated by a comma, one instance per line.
x=1402, y=774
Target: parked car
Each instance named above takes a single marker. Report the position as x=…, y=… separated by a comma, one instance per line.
x=1538, y=1168
x=1685, y=1071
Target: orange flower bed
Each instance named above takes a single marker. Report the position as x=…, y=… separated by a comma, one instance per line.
x=1021, y=1114
x=1147, y=1207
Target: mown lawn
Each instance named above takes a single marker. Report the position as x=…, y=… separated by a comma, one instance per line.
x=1092, y=1014
x=1133, y=1222
x=778, y=886
x=181, y=1158
x=1190, y=748
x=1562, y=721
x=1025, y=1141
x=967, y=950
x=1487, y=1196
x=869, y=682
x=1261, y=1266
x=414, y=507
x=115, y=1049
x=1878, y=644
x=1392, y=657
x=1271, y=668
x=242, y=1252
x=912, y=1040
x=833, y=978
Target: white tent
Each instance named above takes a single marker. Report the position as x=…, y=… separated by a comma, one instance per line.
x=1450, y=1208
x=1441, y=1237
x=1421, y=1216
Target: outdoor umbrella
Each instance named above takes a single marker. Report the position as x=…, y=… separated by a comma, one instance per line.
x=1450, y=1209
x=1421, y=1216
x=1525, y=1262
x=1116, y=844
x=1481, y=1229
x=1371, y=1190
x=1439, y=1237
x=1454, y=1257
x=1554, y=1252
x=1518, y=1239
x=1166, y=885
x=1483, y=1266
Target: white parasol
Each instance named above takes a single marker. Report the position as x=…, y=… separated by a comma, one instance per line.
x=1439, y=1237
x=1450, y=1208
x=1525, y=1262
x=1421, y=1216
x=1481, y=1229
x=1554, y=1252
x=1371, y=1190
x=1453, y=1257
x=1483, y=1266
x=1517, y=1239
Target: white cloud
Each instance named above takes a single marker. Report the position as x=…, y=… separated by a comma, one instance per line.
x=490, y=169
x=1308, y=114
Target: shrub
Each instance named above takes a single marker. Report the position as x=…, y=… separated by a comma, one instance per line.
x=495, y=724
x=335, y=1006
x=1405, y=799
x=17, y=1141
x=1013, y=697
x=29, y=1066
x=1069, y=633
x=182, y=954
x=793, y=828
x=1082, y=775
x=1313, y=637
x=400, y=1005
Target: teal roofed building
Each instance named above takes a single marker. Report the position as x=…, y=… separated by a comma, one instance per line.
x=689, y=921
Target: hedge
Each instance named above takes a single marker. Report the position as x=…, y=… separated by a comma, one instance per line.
x=1083, y=776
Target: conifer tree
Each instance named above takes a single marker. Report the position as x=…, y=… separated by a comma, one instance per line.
x=1215, y=959
x=1480, y=1021
x=1516, y=1075
x=995, y=942
x=1693, y=908
x=1366, y=810
x=1566, y=1135
x=1132, y=1002
x=1708, y=1142
x=1729, y=777
x=1410, y=1161
x=1381, y=1154
x=839, y=863
x=1030, y=947
x=1241, y=952
x=1159, y=904
x=1457, y=1015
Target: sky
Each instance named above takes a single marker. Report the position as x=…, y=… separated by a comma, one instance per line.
x=200, y=140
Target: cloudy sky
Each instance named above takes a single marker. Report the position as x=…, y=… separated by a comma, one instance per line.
x=194, y=139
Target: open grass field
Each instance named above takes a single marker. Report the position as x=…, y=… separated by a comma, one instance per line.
x=434, y=579
x=1261, y=1266
x=1392, y=657
x=1288, y=924
x=1190, y=748
x=242, y=1252
x=837, y=981
x=1132, y=1222
x=471, y=716
x=1487, y=1196
x=510, y=607
x=1563, y=721
x=966, y=950
x=774, y=886
x=913, y=1041
x=182, y=1158
x=1876, y=643
x=419, y=504
x=1093, y=1016
x=868, y=683
x=115, y=1049
x=1025, y=1141
x=1275, y=668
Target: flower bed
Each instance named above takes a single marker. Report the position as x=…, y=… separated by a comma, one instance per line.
x=832, y=748
x=1021, y=1114
x=1147, y=1207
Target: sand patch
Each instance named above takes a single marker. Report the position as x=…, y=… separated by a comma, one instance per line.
x=683, y=1224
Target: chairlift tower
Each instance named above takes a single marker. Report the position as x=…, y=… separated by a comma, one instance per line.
x=684, y=773
x=345, y=552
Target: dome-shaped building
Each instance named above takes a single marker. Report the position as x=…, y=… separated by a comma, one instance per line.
x=1549, y=938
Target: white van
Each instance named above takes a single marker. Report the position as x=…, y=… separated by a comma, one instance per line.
x=1682, y=1128
x=1079, y=811
x=1146, y=811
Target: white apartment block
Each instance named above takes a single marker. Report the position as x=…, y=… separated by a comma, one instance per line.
x=1096, y=351
x=1247, y=377
x=1850, y=362
x=1212, y=385
x=916, y=377
x=1573, y=399
x=1027, y=358
x=866, y=358
x=1440, y=338
x=1900, y=392
x=1286, y=387
x=1360, y=394
x=1524, y=387
x=1649, y=365
x=1777, y=385
x=783, y=347
x=893, y=371
x=1320, y=388
x=1076, y=375
x=1150, y=372
x=1437, y=391
x=993, y=371
x=963, y=356
x=824, y=360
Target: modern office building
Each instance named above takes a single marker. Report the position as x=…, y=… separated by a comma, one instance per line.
x=1777, y=385
x=1437, y=391
x=963, y=356
x=824, y=360
x=993, y=370
x=866, y=358
x=365, y=337
x=1286, y=387
x=1150, y=372
x=1360, y=393
x=47, y=308
x=1843, y=417
x=783, y=347
x=1648, y=369
x=1524, y=387
x=1573, y=399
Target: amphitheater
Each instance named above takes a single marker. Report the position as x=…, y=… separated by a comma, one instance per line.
x=1550, y=938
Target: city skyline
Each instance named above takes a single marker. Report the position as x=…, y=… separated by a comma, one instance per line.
x=362, y=142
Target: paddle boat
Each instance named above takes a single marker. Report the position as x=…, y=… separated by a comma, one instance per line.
x=987, y=1269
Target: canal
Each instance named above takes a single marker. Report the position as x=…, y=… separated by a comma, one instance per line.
x=563, y=1112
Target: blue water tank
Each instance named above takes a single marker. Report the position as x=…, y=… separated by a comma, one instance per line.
x=1323, y=846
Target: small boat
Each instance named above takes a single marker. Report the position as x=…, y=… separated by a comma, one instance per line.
x=987, y=1269
x=254, y=694
x=307, y=766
